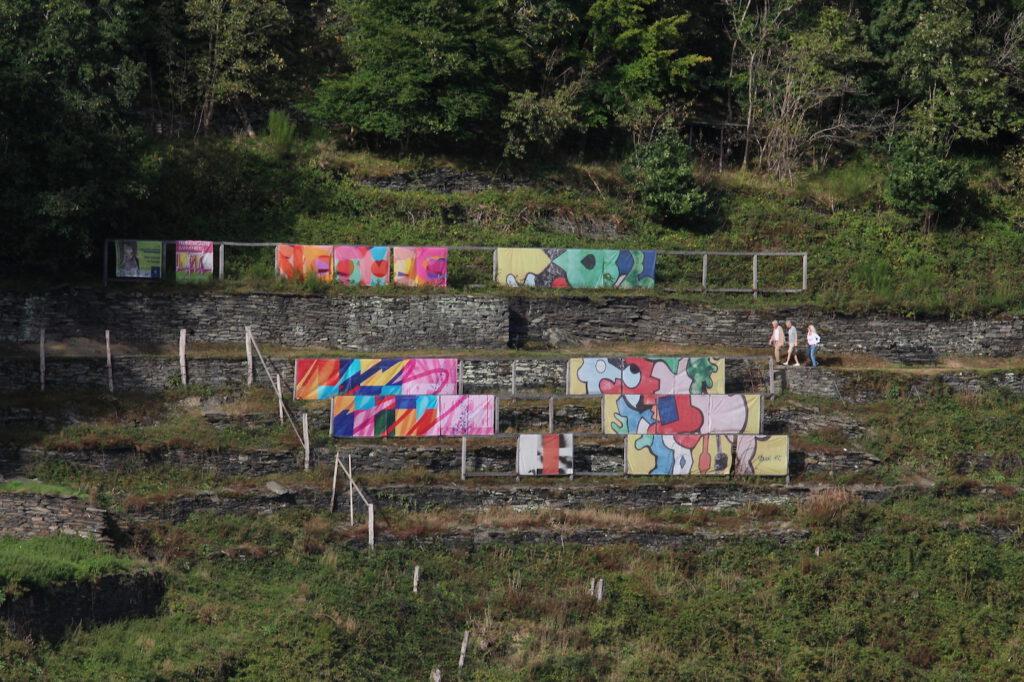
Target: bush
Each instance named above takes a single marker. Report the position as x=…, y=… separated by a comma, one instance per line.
x=923, y=182
x=662, y=174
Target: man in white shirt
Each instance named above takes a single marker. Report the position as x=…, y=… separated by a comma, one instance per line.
x=776, y=340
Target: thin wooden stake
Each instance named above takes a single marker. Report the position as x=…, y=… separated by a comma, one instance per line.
x=305, y=439
x=280, y=400
x=42, y=359
x=181, y=356
x=755, y=275
x=416, y=580
x=248, y=359
x=220, y=270
x=334, y=481
x=593, y=584
x=351, y=494
x=600, y=590
x=462, y=654
x=110, y=364
x=369, y=523
x=551, y=414
x=463, y=458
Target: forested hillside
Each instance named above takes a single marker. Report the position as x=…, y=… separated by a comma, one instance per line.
x=884, y=137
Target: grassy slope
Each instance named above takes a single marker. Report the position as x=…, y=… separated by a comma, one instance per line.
x=912, y=587
x=863, y=257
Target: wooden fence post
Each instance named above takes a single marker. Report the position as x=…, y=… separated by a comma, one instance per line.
x=220, y=274
x=280, y=401
x=351, y=494
x=248, y=357
x=42, y=358
x=416, y=580
x=181, y=357
x=305, y=439
x=110, y=364
x=755, y=275
x=369, y=522
x=704, y=273
x=334, y=481
x=462, y=653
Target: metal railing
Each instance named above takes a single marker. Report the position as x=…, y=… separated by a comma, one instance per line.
x=755, y=287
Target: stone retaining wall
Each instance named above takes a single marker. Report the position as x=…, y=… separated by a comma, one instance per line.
x=439, y=320
x=50, y=612
x=26, y=515
x=572, y=321
x=355, y=322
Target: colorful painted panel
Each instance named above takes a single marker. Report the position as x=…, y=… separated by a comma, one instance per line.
x=679, y=455
x=193, y=261
x=594, y=376
x=762, y=455
x=646, y=376
x=319, y=379
x=138, y=259
x=576, y=268
x=301, y=262
x=381, y=415
x=681, y=414
x=362, y=265
x=545, y=454
x=466, y=415
x=421, y=266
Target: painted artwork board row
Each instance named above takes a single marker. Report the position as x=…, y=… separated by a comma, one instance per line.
x=364, y=265
x=144, y=259
x=551, y=454
x=317, y=379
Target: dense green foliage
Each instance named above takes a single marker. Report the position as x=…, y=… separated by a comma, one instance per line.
x=114, y=116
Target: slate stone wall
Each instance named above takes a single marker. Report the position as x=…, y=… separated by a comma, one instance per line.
x=439, y=320
x=26, y=515
x=570, y=321
x=353, y=322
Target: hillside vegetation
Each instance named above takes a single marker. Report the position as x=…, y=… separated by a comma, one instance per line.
x=882, y=137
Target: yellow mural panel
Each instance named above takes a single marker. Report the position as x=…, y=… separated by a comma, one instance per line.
x=518, y=267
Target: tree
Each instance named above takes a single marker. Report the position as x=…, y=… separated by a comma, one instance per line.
x=798, y=82
x=66, y=148
x=638, y=64
x=235, y=53
x=959, y=69
x=417, y=68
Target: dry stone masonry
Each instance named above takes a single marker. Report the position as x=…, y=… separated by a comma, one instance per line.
x=444, y=321
x=26, y=515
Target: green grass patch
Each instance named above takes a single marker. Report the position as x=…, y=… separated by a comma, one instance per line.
x=42, y=561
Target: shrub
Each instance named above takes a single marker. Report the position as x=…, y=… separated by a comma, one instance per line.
x=662, y=174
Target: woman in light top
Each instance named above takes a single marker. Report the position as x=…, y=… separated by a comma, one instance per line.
x=812, y=344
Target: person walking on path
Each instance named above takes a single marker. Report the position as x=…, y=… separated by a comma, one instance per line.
x=776, y=340
x=812, y=344
x=791, y=354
